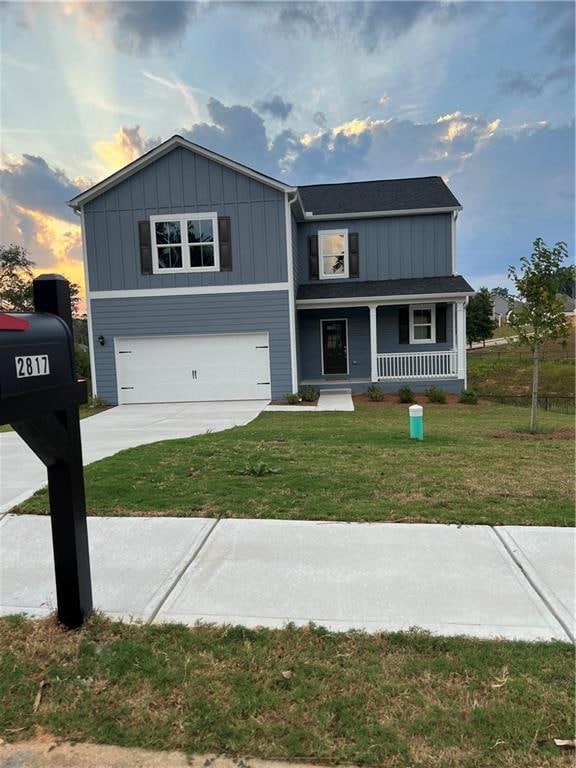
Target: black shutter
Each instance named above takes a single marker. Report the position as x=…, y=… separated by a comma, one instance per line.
x=313, y=257
x=145, y=247
x=353, y=265
x=441, y=323
x=403, y=325
x=224, y=244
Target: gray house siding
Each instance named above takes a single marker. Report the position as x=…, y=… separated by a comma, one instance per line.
x=185, y=182
x=359, y=367
x=392, y=247
x=180, y=315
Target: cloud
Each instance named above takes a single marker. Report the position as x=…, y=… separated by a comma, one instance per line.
x=32, y=184
x=127, y=145
x=185, y=91
x=239, y=132
x=320, y=119
x=520, y=83
x=368, y=24
x=276, y=107
x=137, y=27
x=557, y=18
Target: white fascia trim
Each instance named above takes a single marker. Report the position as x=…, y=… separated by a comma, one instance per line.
x=364, y=301
x=88, y=305
x=377, y=214
x=203, y=290
x=159, y=151
x=291, y=292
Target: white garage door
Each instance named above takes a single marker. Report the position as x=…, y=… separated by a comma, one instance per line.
x=172, y=369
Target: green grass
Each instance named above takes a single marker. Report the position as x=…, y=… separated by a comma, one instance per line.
x=507, y=370
x=400, y=700
x=85, y=412
x=357, y=466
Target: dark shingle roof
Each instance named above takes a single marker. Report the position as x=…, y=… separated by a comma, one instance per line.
x=386, y=195
x=328, y=289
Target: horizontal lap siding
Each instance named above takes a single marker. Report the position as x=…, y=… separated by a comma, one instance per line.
x=184, y=182
x=183, y=315
x=391, y=248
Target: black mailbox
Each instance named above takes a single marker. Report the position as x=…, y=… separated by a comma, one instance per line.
x=36, y=351
x=39, y=397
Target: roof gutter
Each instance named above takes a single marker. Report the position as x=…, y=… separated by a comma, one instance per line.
x=352, y=301
x=308, y=216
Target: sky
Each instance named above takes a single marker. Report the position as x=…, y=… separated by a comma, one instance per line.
x=480, y=93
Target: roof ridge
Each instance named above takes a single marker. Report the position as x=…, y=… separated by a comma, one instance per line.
x=367, y=181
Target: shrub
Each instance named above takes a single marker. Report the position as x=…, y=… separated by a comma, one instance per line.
x=436, y=395
x=469, y=397
x=96, y=402
x=405, y=395
x=309, y=394
x=292, y=398
x=375, y=393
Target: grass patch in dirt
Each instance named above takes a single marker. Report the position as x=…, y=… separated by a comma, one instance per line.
x=400, y=700
x=358, y=466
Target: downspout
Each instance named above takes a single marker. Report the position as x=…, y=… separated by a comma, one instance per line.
x=291, y=292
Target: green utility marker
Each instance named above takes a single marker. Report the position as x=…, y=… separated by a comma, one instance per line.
x=416, y=422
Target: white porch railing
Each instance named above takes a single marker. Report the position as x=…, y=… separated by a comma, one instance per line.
x=417, y=365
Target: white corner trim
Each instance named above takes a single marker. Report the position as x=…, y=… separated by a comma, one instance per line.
x=454, y=217
x=377, y=214
x=201, y=290
x=88, y=305
x=291, y=294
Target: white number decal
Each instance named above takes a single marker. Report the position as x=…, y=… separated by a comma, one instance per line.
x=32, y=365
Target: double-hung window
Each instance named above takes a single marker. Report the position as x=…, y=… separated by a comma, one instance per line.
x=185, y=242
x=333, y=253
x=422, y=324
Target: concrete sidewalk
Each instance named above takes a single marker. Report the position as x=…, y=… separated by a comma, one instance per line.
x=509, y=582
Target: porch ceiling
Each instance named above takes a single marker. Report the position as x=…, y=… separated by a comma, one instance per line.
x=388, y=289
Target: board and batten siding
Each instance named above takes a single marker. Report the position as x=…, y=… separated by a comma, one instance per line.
x=266, y=311
x=392, y=247
x=185, y=182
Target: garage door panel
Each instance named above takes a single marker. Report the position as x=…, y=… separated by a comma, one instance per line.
x=193, y=368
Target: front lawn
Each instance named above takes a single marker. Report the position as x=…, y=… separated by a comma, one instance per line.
x=360, y=466
x=399, y=700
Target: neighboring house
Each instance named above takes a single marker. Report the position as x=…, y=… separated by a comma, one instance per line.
x=569, y=305
x=207, y=280
x=502, y=306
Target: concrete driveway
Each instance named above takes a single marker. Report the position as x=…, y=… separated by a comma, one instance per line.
x=126, y=426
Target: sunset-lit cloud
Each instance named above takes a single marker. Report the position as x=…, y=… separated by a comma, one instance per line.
x=126, y=146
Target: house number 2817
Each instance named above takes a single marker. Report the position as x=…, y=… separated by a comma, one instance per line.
x=32, y=365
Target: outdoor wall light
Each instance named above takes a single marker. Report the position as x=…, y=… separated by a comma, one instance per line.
x=101, y=340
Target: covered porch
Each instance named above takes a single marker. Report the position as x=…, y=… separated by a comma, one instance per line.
x=384, y=341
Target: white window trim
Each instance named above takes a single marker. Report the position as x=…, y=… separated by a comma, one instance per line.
x=346, y=273
x=432, y=308
x=184, y=218
x=334, y=320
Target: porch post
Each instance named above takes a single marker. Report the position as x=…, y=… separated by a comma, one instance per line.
x=461, y=339
x=373, y=343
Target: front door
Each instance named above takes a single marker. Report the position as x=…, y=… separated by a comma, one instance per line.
x=334, y=347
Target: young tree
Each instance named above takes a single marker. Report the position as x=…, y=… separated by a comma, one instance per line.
x=541, y=317
x=15, y=279
x=479, y=322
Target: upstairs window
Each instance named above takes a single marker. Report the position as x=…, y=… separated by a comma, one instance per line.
x=333, y=253
x=185, y=243
x=422, y=324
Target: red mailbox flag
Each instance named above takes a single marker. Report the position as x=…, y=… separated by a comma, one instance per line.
x=12, y=323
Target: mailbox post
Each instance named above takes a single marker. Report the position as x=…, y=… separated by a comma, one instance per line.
x=39, y=397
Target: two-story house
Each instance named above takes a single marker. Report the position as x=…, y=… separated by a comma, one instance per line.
x=207, y=280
